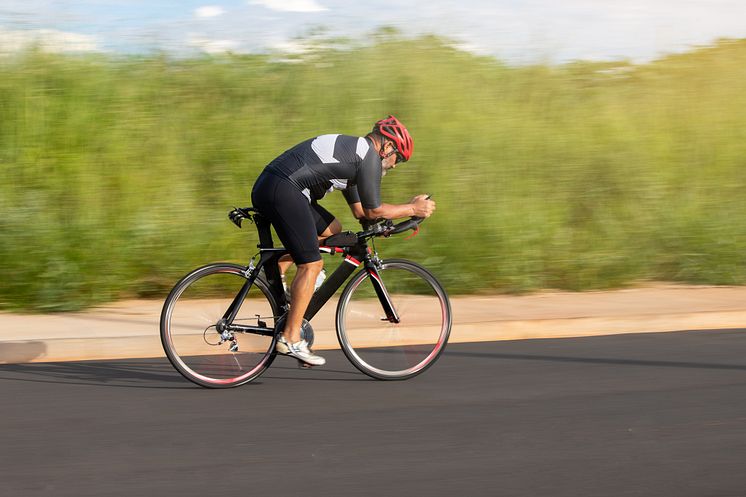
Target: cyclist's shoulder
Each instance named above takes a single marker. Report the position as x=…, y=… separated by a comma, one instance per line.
x=336, y=140
x=359, y=146
x=341, y=139
x=340, y=148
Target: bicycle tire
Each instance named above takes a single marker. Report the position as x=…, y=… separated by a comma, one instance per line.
x=394, y=351
x=196, y=303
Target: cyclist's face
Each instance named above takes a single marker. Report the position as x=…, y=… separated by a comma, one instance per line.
x=389, y=157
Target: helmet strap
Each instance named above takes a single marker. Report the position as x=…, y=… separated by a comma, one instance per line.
x=382, y=146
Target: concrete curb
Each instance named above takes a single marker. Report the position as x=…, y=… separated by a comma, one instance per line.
x=149, y=345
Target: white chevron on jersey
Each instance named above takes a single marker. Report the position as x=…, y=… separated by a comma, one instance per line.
x=362, y=147
x=338, y=184
x=324, y=147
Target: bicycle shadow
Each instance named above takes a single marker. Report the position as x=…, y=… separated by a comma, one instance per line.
x=148, y=374
x=129, y=373
x=320, y=373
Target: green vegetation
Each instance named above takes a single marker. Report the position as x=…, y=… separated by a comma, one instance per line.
x=118, y=173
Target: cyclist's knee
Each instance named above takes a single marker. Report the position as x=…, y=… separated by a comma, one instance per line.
x=334, y=227
x=311, y=266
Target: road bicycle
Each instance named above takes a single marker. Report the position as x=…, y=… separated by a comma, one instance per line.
x=220, y=323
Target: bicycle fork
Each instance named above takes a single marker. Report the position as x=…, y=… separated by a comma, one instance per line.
x=383, y=295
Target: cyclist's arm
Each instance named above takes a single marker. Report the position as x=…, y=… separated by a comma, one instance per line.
x=420, y=206
x=357, y=210
x=353, y=200
x=390, y=211
x=369, y=188
x=369, y=191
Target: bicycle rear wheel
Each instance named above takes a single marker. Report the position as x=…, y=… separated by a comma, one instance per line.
x=189, y=327
x=394, y=351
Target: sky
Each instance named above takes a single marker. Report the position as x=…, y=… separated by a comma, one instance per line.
x=517, y=31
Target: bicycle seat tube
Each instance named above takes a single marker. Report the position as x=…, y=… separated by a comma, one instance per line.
x=269, y=260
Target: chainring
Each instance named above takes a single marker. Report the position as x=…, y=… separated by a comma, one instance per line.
x=306, y=330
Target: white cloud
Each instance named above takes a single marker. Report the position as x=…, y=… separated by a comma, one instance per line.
x=209, y=11
x=547, y=30
x=213, y=46
x=290, y=5
x=48, y=40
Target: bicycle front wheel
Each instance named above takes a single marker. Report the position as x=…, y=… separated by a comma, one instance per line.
x=394, y=351
x=192, y=316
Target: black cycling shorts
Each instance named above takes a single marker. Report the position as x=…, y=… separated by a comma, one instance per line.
x=296, y=221
x=321, y=217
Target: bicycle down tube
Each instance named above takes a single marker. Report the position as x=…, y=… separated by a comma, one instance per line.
x=340, y=275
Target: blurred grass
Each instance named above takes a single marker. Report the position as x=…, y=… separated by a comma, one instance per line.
x=118, y=172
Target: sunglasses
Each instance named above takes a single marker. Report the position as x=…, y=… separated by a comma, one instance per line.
x=399, y=156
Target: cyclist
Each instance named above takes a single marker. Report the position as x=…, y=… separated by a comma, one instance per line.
x=282, y=192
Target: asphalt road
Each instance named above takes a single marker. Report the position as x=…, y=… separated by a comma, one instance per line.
x=626, y=415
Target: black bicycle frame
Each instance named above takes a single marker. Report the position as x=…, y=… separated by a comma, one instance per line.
x=353, y=258
x=268, y=260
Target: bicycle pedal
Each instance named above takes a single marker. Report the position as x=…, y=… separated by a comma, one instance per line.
x=304, y=365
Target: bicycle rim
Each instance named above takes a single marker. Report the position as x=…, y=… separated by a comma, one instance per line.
x=189, y=327
x=394, y=351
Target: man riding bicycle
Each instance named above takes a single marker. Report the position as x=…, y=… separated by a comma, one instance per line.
x=283, y=193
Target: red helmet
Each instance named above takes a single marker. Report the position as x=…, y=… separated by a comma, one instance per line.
x=394, y=130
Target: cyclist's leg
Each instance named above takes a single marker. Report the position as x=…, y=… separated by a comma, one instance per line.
x=290, y=213
x=284, y=264
x=326, y=226
x=304, y=282
x=267, y=192
x=301, y=293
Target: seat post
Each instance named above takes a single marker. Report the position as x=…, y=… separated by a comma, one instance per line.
x=269, y=259
x=265, y=234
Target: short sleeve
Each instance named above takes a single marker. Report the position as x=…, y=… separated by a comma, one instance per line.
x=368, y=180
x=351, y=194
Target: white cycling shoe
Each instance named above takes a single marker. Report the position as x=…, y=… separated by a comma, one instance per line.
x=300, y=351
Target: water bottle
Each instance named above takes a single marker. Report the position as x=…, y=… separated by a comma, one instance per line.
x=319, y=280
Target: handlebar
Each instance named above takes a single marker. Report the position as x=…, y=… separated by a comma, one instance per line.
x=387, y=227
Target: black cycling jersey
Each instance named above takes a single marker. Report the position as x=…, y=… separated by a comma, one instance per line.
x=287, y=190
x=325, y=161
x=317, y=192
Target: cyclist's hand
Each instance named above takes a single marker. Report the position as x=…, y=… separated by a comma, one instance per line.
x=423, y=206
